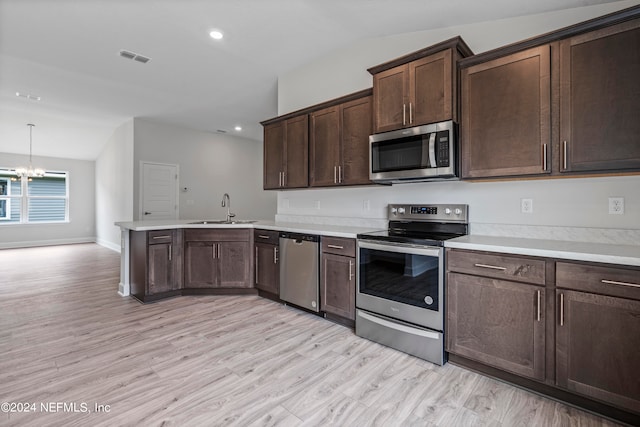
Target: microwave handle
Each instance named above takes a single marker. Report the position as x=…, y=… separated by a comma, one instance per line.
x=432, y=150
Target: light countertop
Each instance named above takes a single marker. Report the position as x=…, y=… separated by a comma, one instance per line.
x=577, y=251
x=320, y=229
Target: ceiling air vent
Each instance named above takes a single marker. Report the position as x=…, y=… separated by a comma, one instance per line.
x=135, y=56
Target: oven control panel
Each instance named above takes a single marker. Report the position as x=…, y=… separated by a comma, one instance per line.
x=439, y=213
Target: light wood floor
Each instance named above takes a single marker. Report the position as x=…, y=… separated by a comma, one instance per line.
x=66, y=336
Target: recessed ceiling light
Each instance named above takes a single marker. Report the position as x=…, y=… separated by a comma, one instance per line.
x=238, y=128
x=29, y=96
x=216, y=35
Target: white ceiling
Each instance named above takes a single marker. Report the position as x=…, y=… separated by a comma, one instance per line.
x=66, y=52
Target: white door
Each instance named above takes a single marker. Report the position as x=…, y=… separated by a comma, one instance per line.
x=158, y=191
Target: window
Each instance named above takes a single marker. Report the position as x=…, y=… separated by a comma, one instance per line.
x=33, y=200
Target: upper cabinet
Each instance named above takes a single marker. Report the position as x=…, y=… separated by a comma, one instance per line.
x=563, y=103
x=339, y=144
x=286, y=158
x=418, y=88
x=600, y=100
x=506, y=115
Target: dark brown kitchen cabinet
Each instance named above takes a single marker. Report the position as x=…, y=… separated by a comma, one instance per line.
x=267, y=263
x=496, y=311
x=218, y=259
x=418, y=88
x=600, y=100
x=337, y=277
x=156, y=264
x=339, y=144
x=286, y=153
x=506, y=115
x=598, y=332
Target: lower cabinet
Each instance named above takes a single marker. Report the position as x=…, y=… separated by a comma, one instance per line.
x=217, y=258
x=267, y=263
x=497, y=322
x=156, y=264
x=338, y=277
x=598, y=334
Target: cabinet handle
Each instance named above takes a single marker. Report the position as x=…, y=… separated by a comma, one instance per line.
x=161, y=237
x=284, y=179
x=263, y=236
x=335, y=179
x=561, y=309
x=410, y=114
x=493, y=267
x=544, y=157
x=564, y=155
x=335, y=247
x=256, y=257
x=613, y=282
x=275, y=255
x=538, y=305
x=404, y=114
x=215, y=251
x=350, y=270
x=340, y=174
x=169, y=252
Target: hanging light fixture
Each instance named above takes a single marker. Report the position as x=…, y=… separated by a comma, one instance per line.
x=30, y=172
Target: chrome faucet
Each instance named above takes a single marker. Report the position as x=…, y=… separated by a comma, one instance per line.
x=226, y=202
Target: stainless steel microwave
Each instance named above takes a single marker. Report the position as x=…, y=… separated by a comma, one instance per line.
x=421, y=153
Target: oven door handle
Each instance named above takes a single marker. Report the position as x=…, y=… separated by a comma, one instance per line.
x=399, y=327
x=401, y=248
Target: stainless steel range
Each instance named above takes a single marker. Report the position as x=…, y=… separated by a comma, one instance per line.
x=400, y=295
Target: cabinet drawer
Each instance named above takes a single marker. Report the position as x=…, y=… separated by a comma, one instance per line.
x=160, y=236
x=519, y=269
x=217, y=235
x=338, y=246
x=614, y=281
x=266, y=236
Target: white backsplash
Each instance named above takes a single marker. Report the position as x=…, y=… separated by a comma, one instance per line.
x=334, y=220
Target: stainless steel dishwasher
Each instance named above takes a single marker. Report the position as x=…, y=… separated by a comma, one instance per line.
x=299, y=278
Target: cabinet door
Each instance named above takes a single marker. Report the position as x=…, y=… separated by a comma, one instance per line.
x=201, y=265
x=273, y=155
x=506, y=116
x=430, y=89
x=337, y=286
x=390, y=90
x=356, y=126
x=267, y=268
x=600, y=99
x=161, y=274
x=498, y=323
x=324, y=133
x=598, y=347
x=296, y=173
x=235, y=264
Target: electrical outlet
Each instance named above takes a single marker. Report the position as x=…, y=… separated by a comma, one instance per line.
x=616, y=205
x=526, y=206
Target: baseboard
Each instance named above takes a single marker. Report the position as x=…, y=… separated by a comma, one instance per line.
x=53, y=242
x=109, y=245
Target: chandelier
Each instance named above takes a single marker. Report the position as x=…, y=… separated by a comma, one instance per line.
x=29, y=172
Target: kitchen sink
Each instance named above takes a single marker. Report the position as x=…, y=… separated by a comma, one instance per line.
x=222, y=221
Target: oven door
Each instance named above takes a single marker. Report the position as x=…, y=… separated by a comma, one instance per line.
x=401, y=281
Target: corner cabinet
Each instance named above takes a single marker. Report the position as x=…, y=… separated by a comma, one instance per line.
x=339, y=144
x=267, y=262
x=506, y=115
x=286, y=153
x=600, y=100
x=338, y=278
x=156, y=264
x=217, y=259
x=418, y=88
x=496, y=311
x=598, y=332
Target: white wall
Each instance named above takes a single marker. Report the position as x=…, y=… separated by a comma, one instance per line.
x=81, y=226
x=558, y=202
x=210, y=165
x=114, y=186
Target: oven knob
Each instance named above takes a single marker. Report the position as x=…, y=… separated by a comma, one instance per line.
x=447, y=211
x=401, y=210
x=394, y=211
x=428, y=300
x=458, y=211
